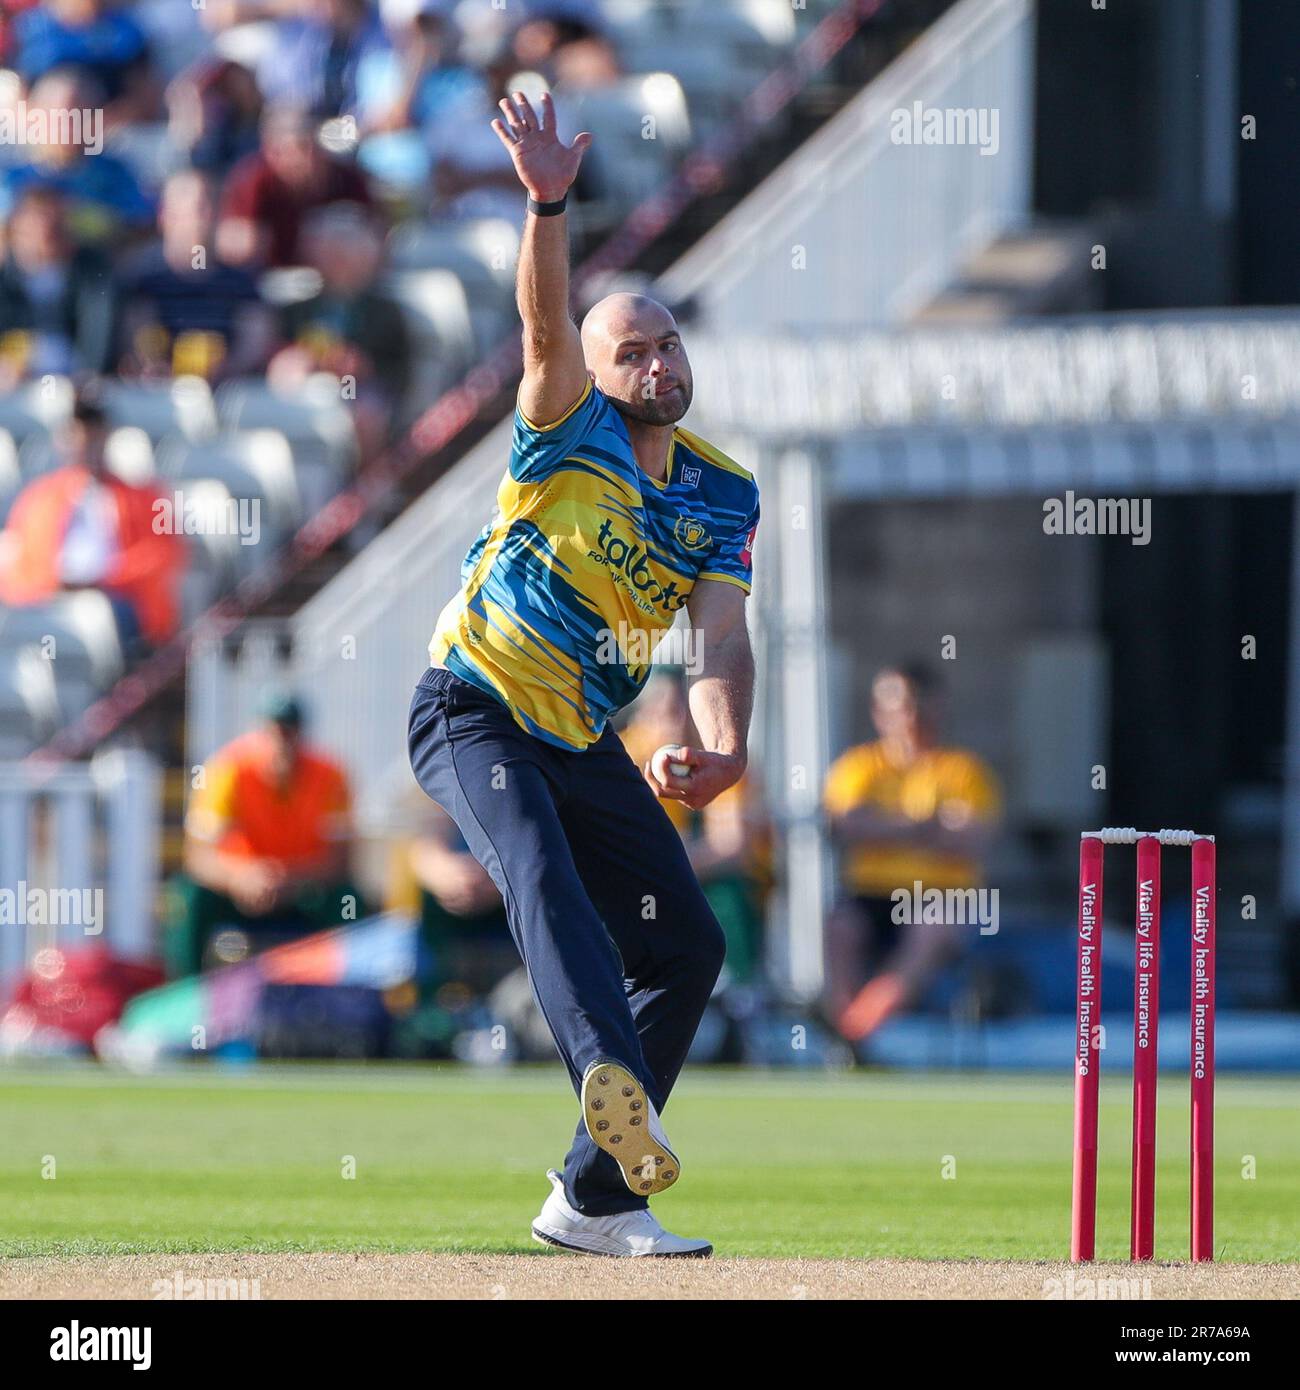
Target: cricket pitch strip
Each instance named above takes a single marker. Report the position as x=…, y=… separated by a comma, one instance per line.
x=558, y=1276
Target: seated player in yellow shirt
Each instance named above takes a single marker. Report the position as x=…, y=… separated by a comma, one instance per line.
x=903, y=810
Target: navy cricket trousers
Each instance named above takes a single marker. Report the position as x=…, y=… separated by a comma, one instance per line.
x=620, y=944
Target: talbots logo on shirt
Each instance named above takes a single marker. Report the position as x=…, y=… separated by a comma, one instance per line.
x=691, y=533
x=630, y=564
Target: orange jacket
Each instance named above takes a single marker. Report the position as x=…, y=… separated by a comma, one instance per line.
x=145, y=572
x=241, y=810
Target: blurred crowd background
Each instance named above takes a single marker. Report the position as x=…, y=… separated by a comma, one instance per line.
x=256, y=278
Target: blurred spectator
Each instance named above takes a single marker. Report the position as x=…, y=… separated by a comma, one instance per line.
x=104, y=198
x=465, y=946
x=267, y=845
x=186, y=312
x=453, y=886
x=585, y=13
x=82, y=527
x=581, y=64
x=462, y=918
x=404, y=89
x=418, y=76
x=728, y=841
x=269, y=193
x=214, y=112
x=349, y=328
x=472, y=172
x=904, y=810
x=567, y=45
x=10, y=12
x=318, y=49
x=56, y=298
x=101, y=40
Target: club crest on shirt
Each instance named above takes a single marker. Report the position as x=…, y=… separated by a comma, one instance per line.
x=691, y=533
x=691, y=477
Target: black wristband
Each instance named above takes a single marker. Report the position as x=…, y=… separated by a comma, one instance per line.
x=546, y=209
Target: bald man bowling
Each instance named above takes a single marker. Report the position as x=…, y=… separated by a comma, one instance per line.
x=610, y=519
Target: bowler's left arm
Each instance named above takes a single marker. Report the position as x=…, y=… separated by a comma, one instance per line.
x=721, y=696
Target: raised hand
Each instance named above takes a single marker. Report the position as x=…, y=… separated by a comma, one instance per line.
x=546, y=166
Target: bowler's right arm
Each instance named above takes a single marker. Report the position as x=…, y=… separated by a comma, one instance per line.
x=555, y=374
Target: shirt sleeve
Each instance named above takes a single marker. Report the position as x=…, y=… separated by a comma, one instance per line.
x=212, y=807
x=336, y=810
x=973, y=787
x=538, y=449
x=732, y=556
x=242, y=194
x=846, y=784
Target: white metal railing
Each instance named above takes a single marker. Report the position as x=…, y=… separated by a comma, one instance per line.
x=1085, y=371
x=79, y=849
x=857, y=229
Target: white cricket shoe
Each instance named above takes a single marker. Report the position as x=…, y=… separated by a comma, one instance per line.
x=622, y=1121
x=630, y=1233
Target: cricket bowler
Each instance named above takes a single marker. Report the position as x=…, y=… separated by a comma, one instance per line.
x=610, y=519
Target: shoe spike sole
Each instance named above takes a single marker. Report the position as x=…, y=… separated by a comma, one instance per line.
x=617, y=1115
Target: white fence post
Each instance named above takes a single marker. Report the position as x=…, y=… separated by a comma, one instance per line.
x=798, y=693
x=131, y=783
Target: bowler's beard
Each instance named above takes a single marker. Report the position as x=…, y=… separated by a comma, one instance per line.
x=656, y=410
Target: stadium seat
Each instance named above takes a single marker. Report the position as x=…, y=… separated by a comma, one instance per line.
x=483, y=251
x=778, y=25
x=182, y=406
x=76, y=633
x=37, y=454
x=36, y=407
x=627, y=165
x=442, y=327
x=11, y=478
x=315, y=421
x=217, y=559
x=718, y=55
x=313, y=415
x=288, y=284
x=753, y=29
x=128, y=451
x=29, y=710
x=254, y=467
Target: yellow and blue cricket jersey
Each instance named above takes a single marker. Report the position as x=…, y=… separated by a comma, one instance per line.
x=585, y=565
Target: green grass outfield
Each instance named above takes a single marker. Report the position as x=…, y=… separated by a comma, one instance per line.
x=973, y=1166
